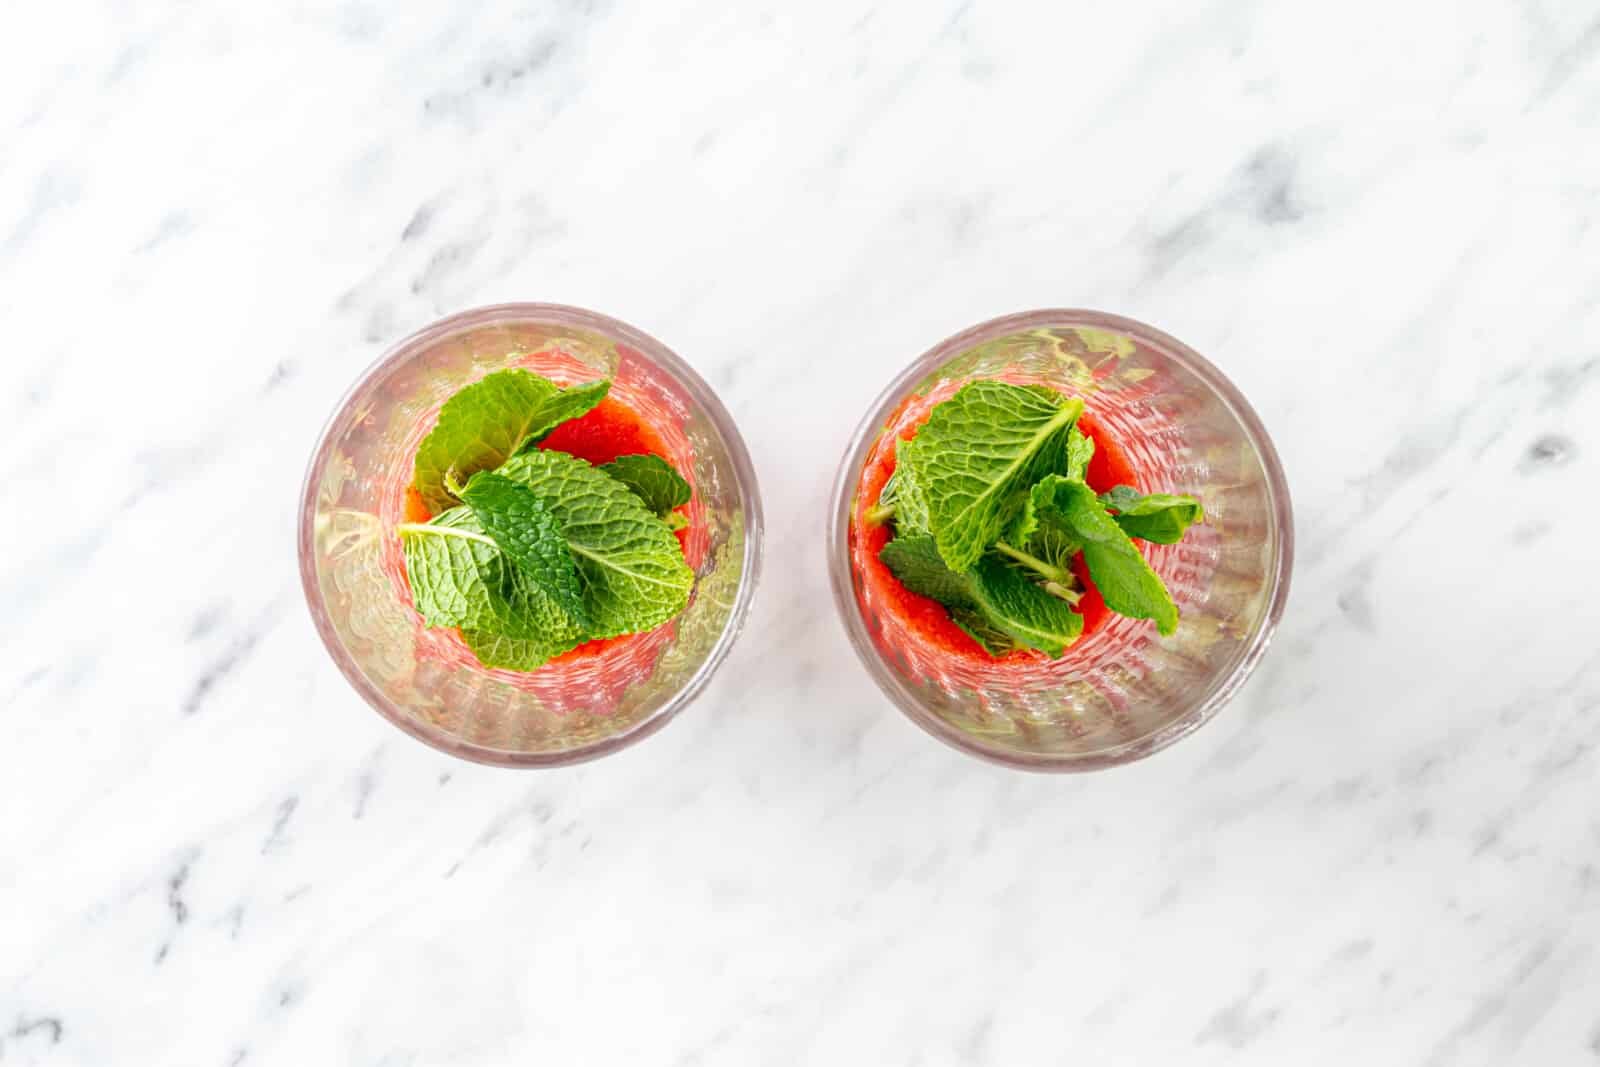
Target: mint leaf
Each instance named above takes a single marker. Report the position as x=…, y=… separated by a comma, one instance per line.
x=632, y=567
x=1118, y=568
x=563, y=406
x=977, y=626
x=652, y=479
x=1080, y=450
x=916, y=562
x=1024, y=525
x=460, y=578
x=1159, y=517
x=1015, y=604
x=510, y=653
x=478, y=428
x=992, y=597
x=1023, y=531
x=902, y=496
x=447, y=585
x=526, y=530
x=978, y=453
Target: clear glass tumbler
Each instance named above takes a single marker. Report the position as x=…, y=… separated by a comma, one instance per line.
x=1123, y=691
x=424, y=680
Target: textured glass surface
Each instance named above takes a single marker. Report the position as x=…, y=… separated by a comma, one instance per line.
x=1123, y=690
x=424, y=679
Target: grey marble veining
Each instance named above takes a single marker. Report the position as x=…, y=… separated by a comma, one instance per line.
x=1380, y=220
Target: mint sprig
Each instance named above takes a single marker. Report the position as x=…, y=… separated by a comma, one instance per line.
x=545, y=551
x=991, y=510
x=1115, y=563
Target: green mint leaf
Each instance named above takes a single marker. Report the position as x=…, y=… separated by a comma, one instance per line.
x=1024, y=525
x=460, y=578
x=1080, y=450
x=977, y=626
x=1159, y=517
x=478, y=428
x=1117, y=566
x=904, y=494
x=510, y=653
x=526, y=530
x=992, y=597
x=652, y=479
x=447, y=585
x=1015, y=604
x=1024, y=531
x=976, y=456
x=563, y=406
x=916, y=562
x=632, y=567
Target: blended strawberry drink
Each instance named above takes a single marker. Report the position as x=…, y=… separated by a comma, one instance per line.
x=1018, y=550
x=529, y=534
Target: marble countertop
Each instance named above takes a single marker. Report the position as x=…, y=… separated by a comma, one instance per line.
x=1381, y=220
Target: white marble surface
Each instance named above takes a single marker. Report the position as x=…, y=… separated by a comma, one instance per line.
x=1382, y=220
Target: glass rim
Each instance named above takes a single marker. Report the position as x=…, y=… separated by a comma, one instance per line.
x=654, y=351
x=841, y=575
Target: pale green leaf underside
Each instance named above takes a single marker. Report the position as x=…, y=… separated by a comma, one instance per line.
x=478, y=428
x=652, y=479
x=978, y=453
x=904, y=494
x=631, y=565
x=460, y=578
x=1080, y=450
x=509, y=653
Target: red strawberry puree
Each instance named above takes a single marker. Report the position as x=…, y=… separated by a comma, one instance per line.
x=926, y=619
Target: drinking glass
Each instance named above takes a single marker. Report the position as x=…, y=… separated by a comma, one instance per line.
x=424, y=680
x=1123, y=691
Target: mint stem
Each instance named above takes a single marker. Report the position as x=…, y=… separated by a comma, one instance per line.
x=879, y=514
x=1046, y=571
x=1056, y=589
x=444, y=531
